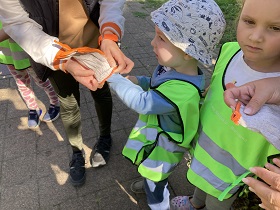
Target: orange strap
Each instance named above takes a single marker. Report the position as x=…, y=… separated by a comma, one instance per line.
x=112, y=37
x=68, y=52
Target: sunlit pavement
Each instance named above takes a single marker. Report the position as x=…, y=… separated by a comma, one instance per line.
x=34, y=164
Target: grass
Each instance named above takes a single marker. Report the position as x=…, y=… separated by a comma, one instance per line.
x=231, y=9
x=152, y=3
x=140, y=14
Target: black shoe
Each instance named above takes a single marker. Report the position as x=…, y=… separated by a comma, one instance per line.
x=34, y=118
x=138, y=186
x=100, y=152
x=52, y=114
x=77, y=169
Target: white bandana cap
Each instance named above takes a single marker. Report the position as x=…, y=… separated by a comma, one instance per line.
x=194, y=26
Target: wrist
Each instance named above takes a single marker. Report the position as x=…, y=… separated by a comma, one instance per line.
x=109, y=36
x=63, y=66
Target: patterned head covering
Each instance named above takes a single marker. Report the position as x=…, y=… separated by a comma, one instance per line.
x=195, y=26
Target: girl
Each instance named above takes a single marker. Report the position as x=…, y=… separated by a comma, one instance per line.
x=19, y=66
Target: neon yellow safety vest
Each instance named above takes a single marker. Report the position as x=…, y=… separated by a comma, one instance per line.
x=157, y=152
x=224, y=151
x=12, y=53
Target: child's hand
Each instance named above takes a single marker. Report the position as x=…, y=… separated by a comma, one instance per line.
x=132, y=79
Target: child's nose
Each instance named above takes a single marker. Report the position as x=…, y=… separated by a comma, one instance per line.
x=153, y=42
x=256, y=35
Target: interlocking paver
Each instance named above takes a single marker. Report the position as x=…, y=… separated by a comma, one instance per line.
x=34, y=163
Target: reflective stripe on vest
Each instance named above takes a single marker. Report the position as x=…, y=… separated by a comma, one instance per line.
x=222, y=156
x=11, y=53
x=224, y=151
x=155, y=151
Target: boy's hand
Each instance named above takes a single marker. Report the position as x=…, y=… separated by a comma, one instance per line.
x=133, y=79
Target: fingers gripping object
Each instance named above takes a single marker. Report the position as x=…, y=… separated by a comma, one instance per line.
x=236, y=115
x=89, y=58
x=96, y=62
x=266, y=121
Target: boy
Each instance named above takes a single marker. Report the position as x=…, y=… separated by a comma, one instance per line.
x=186, y=32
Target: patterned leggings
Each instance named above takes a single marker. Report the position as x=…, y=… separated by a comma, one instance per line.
x=22, y=78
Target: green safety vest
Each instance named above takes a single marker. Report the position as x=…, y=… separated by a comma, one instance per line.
x=12, y=53
x=157, y=152
x=224, y=151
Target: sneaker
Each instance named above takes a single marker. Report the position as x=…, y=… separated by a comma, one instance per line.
x=183, y=203
x=77, y=169
x=138, y=186
x=100, y=152
x=34, y=118
x=52, y=114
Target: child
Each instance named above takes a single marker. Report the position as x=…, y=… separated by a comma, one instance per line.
x=224, y=151
x=18, y=64
x=186, y=32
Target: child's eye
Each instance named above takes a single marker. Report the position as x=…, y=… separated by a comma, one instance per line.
x=160, y=37
x=275, y=28
x=249, y=22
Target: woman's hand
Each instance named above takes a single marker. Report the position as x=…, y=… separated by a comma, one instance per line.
x=268, y=192
x=116, y=57
x=254, y=94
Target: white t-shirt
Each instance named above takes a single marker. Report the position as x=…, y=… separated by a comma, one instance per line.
x=240, y=73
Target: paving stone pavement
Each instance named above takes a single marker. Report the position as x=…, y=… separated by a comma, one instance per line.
x=34, y=163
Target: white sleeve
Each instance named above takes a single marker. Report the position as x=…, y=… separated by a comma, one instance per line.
x=27, y=33
x=111, y=11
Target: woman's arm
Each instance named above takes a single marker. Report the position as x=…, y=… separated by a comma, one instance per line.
x=27, y=33
x=111, y=21
x=39, y=45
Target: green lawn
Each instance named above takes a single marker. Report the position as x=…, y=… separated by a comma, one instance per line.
x=231, y=10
